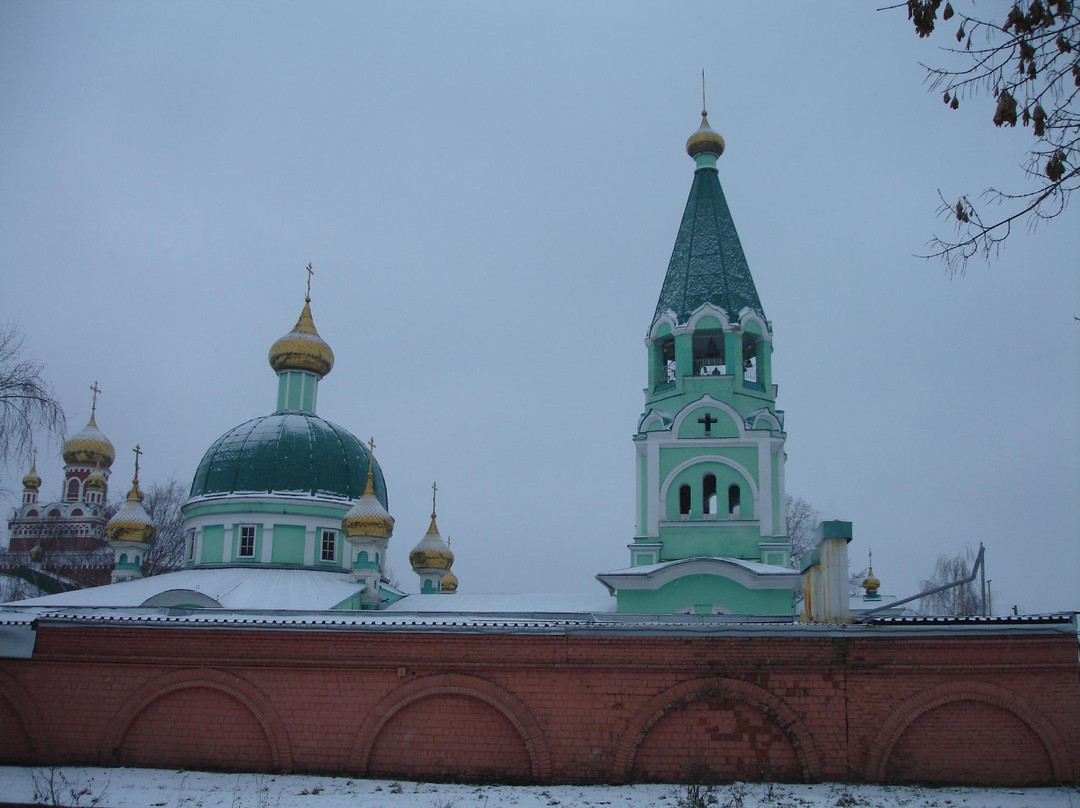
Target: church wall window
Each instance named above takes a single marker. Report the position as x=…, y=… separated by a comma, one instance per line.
x=684, y=500
x=191, y=545
x=734, y=501
x=664, y=351
x=708, y=494
x=246, y=544
x=73, y=490
x=328, y=549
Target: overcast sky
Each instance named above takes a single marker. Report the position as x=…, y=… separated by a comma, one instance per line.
x=489, y=193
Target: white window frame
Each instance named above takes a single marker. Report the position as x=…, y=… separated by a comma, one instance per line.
x=191, y=545
x=240, y=541
x=326, y=534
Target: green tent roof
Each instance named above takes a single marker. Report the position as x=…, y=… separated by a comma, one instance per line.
x=707, y=264
x=287, y=453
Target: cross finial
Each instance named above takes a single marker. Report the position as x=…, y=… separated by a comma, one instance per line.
x=371, y=445
x=704, y=111
x=310, y=272
x=434, y=490
x=94, y=387
x=138, y=451
x=871, y=553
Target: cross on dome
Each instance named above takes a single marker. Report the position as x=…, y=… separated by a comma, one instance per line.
x=93, y=404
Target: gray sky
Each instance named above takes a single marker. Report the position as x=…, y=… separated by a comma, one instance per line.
x=490, y=194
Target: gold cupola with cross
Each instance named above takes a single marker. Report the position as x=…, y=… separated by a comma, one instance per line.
x=709, y=461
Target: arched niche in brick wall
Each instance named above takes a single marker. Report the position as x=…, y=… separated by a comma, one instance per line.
x=1007, y=739
x=199, y=718
x=20, y=724
x=765, y=734
x=478, y=729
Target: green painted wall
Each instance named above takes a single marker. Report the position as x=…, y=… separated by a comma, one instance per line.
x=685, y=540
x=288, y=544
x=233, y=506
x=672, y=457
x=213, y=542
x=701, y=593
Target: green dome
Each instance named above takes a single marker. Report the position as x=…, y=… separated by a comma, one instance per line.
x=294, y=453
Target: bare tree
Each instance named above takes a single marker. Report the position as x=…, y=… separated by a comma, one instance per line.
x=26, y=400
x=960, y=600
x=1026, y=69
x=802, y=520
x=163, y=502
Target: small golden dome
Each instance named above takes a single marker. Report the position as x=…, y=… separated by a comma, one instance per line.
x=432, y=553
x=31, y=482
x=89, y=447
x=302, y=348
x=131, y=522
x=95, y=482
x=705, y=139
x=37, y=553
x=871, y=584
x=449, y=582
x=368, y=517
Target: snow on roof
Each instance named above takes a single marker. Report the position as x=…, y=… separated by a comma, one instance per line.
x=223, y=587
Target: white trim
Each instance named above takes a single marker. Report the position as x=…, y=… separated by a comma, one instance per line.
x=693, y=461
x=667, y=317
x=748, y=314
x=733, y=569
x=708, y=310
x=708, y=401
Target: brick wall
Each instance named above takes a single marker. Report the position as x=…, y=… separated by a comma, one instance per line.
x=990, y=708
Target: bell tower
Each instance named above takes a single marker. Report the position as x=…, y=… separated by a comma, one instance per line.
x=710, y=535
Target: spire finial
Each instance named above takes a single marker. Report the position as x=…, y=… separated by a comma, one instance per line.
x=138, y=451
x=434, y=490
x=704, y=109
x=371, y=461
x=93, y=405
x=310, y=272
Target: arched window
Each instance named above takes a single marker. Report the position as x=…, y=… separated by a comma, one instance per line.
x=73, y=490
x=709, y=353
x=733, y=506
x=708, y=494
x=684, y=499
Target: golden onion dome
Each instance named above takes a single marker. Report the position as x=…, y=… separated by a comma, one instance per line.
x=95, y=482
x=449, y=582
x=302, y=348
x=432, y=553
x=705, y=139
x=89, y=447
x=37, y=553
x=31, y=482
x=870, y=583
x=131, y=523
x=367, y=517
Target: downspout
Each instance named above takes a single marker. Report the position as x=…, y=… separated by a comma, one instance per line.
x=864, y=617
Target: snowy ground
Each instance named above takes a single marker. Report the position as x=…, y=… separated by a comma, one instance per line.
x=159, y=788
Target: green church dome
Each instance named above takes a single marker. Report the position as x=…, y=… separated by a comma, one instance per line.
x=295, y=453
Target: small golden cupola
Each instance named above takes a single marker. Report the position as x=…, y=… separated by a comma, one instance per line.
x=89, y=446
x=431, y=558
x=32, y=482
x=449, y=583
x=705, y=140
x=95, y=488
x=130, y=532
x=871, y=584
x=367, y=527
x=302, y=349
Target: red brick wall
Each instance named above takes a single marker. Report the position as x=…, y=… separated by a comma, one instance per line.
x=998, y=708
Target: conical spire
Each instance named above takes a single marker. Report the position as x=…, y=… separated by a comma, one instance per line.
x=707, y=264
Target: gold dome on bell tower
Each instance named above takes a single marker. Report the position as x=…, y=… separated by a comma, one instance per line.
x=89, y=446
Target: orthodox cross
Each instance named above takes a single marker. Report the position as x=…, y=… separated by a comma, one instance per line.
x=96, y=389
x=137, y=452
x=310, y=272
x=704, y=112
x=434, y=489
x=708, y=420
x=371, y=445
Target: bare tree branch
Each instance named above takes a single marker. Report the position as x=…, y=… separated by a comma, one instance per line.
x=163, y=502
x=26, y=400
x=1029, y=70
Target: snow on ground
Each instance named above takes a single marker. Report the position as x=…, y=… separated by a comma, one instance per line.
x=161, y=788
